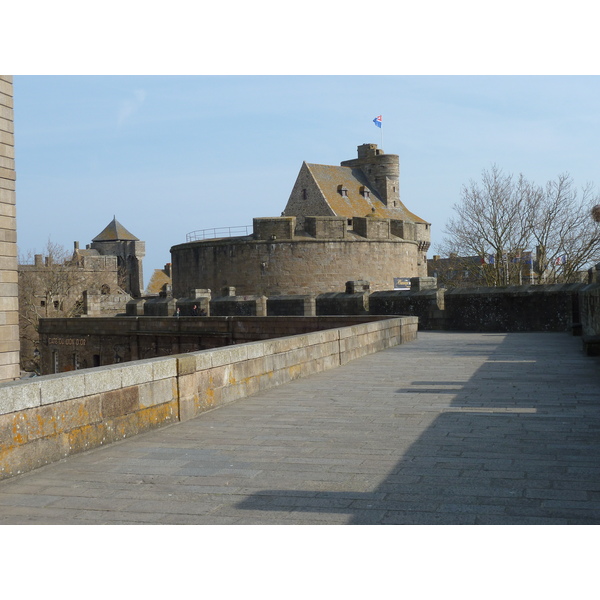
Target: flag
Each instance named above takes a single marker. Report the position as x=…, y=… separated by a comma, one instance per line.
x=561, y=260
x=377, y=121
x=487, y=259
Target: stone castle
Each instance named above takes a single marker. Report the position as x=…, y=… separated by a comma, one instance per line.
x=115, y=240
x=96, y=281
x=340, y=224
x=347, y=222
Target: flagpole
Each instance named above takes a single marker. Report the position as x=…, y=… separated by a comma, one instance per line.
x=379, y=123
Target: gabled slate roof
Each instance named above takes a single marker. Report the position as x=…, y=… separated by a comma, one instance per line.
x=158, y=281
x=115, y=232
x=329, y=178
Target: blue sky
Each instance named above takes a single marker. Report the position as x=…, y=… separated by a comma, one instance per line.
x=171, y=154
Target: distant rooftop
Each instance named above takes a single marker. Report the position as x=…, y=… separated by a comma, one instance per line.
x=115, y=232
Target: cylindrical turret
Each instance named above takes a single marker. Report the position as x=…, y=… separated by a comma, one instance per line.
x=382, y=170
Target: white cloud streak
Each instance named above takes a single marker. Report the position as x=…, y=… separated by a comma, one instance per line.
x=130, y=106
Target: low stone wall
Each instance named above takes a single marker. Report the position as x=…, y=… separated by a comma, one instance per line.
x=513, y=308
x=48, y=418
x=279, y=306
x=428, y=305
x=589, y=306
x=93, y=342
x=342, y=304
x=556, y=307
x=238, y=306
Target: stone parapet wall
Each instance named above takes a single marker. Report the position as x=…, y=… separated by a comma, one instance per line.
x=342, y=304
x=66, y=344
x=273, y=228
x=326, y=227
x=427, y=304
x=96, y=304
x=510, y=309
x=242, y=306
x=48, y=418
x=291, y=306
x=514, y=308
x=590, y=310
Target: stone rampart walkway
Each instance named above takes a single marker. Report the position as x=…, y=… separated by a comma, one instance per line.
x=455, y=428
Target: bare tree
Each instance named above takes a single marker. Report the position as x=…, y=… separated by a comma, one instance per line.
x=49, y=286
x=565, y=235
x=524, y=232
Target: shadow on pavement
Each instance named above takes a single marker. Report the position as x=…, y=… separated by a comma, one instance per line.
x=517, y=443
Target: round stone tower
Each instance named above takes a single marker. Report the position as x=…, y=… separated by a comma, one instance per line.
x=382, y=170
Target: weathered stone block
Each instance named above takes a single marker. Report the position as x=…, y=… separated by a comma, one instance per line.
x=164, y=368
x=77, y=413
x=22, y=459
x=249, y=368
x=19, y=395
x=255, y=349
x=87, y=437
x=228, y=355
x=119, y=402
x=103, y=379
x=61, y=387
x=13, y=430
x=40, y=422
x=123, y=427
x=233, y=392
x=221, y=376
x=136, y=372
x=157, y=416
x=157, y=392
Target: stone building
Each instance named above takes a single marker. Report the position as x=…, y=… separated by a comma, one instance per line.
x=340, y=224
x=92, y=282
x=9, y=296
x=115, y=240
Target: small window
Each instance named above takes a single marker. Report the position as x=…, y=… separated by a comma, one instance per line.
x=304, y=194
x=56, y=304
x=105, y=290
x=343, y=191
x=43, y=303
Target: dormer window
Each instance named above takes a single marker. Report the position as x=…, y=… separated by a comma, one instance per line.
x=343, y=191
x=365, y=192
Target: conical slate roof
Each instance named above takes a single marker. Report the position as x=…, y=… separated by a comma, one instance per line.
x=115, y=232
